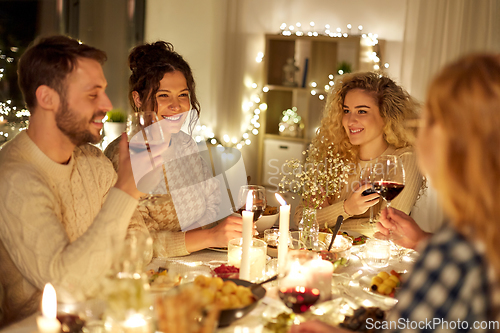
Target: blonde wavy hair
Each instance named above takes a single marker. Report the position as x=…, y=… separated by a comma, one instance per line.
x=464, y=100
x=395, y=105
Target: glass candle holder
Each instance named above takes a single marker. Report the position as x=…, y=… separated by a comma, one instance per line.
x=257, y=254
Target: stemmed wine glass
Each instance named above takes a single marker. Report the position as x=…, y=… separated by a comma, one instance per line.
x=364, y=179
x=146, y=142
x=258, y=194
x=388, y=180
x=296, y=288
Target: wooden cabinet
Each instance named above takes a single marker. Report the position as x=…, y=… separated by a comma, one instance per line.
x=323, y=56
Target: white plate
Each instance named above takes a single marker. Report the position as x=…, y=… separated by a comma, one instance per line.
x=218, y=249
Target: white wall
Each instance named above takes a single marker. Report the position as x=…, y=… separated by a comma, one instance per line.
x=221, y=38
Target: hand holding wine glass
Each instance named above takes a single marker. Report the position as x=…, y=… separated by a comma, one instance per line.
x=365, y=179
x=388, y=179
x=258, y=194
x=146, y=145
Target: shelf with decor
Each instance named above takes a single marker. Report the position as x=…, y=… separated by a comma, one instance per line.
x=299, y=71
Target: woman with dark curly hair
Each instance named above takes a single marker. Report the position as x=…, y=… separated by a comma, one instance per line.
x=365, y=118
x=162, y=81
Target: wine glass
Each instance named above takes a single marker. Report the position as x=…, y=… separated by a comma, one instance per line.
x=146, y=142
x=296, y=288
x=388, y=180
x=364, y=179
x=258, y=195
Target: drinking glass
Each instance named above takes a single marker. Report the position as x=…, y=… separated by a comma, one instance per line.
x=258, y=195
x=146, y=141
x=377, y=252
x=388, y=180
x=297, y=287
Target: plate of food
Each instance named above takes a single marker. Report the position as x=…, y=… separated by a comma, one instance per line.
x=233, y=297
x=384, y=284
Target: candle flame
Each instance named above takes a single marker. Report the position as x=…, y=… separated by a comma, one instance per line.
x=49, y=302
x=249, y=205
x=280, y=199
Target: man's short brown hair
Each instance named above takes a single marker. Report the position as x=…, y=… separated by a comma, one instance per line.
x=48, y=61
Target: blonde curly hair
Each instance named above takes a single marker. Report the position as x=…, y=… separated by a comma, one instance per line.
x=395, y=105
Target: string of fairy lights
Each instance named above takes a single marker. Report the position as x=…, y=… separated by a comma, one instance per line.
x=253, y=107
x=255, y=104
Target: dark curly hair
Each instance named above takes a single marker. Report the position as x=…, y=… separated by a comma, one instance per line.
x=149, y=63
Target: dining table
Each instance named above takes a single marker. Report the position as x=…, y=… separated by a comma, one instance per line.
x=349, y=288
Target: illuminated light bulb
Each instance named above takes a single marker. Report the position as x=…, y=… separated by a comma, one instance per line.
x=331, y=34
x=234, y=140
x=330, y=76
x=226, y=138
x=197, y=128
x=245, y=135
x=256, y=111
x=257, y=125
x=298, y=25
x=339, y=30
x=360, y=27
x=213, y=141
x=386, y=65
x=255, y=131
x=260, y=54
x=341, y=72
x=258, y=59
x=203, y=127
x=254, y=85
x=321, y=97
x=309, y=33
x=286, y=33
x=314, y=84
x=256, y=117
x=263, y=107
x=252, y=121
x=311, y=24
x=211, y=135
x=349, y=26
x=327, y=87
x=283, y=26
x=345, y=34
x=248, y=142
x=376, y=67
x=198, y=138
x=376, y=59
x=315, y=34
x=265, y=89
x=291, y=28
x=313, y=92
x=327, y=26
x=239, y=146
x=364, y=35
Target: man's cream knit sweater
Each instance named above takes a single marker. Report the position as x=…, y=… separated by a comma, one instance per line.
x=57, y=224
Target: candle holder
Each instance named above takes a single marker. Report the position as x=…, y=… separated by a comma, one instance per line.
x=257, y=256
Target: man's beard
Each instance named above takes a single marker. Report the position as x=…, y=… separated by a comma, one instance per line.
x=77, y=130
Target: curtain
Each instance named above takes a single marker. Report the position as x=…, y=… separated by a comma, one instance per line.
x=440, y=31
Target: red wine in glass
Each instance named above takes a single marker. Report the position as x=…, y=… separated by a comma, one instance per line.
x=388, y=190
x=257, y=212
x=299, y=299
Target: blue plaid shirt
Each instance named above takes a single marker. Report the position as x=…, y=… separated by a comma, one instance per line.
x=447, y=290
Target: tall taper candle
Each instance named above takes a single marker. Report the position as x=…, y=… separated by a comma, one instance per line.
x=47, y=322
x=284, y=228
x=247, y=238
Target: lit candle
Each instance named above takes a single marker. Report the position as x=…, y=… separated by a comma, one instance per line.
x=320, y=277
x=247, y=238
x=136, y=323
x=47, y=322
x=284, y=228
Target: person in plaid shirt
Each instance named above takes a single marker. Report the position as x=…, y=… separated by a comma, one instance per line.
x=454, y=285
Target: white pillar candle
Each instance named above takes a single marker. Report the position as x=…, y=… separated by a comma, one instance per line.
x=284, y=227
x=247, y=216
x=321, y=272
x=47, y=322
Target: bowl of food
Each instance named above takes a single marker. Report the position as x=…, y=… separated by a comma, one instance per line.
x=268, y=219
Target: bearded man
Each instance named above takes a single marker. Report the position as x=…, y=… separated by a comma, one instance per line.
x=62, y=206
